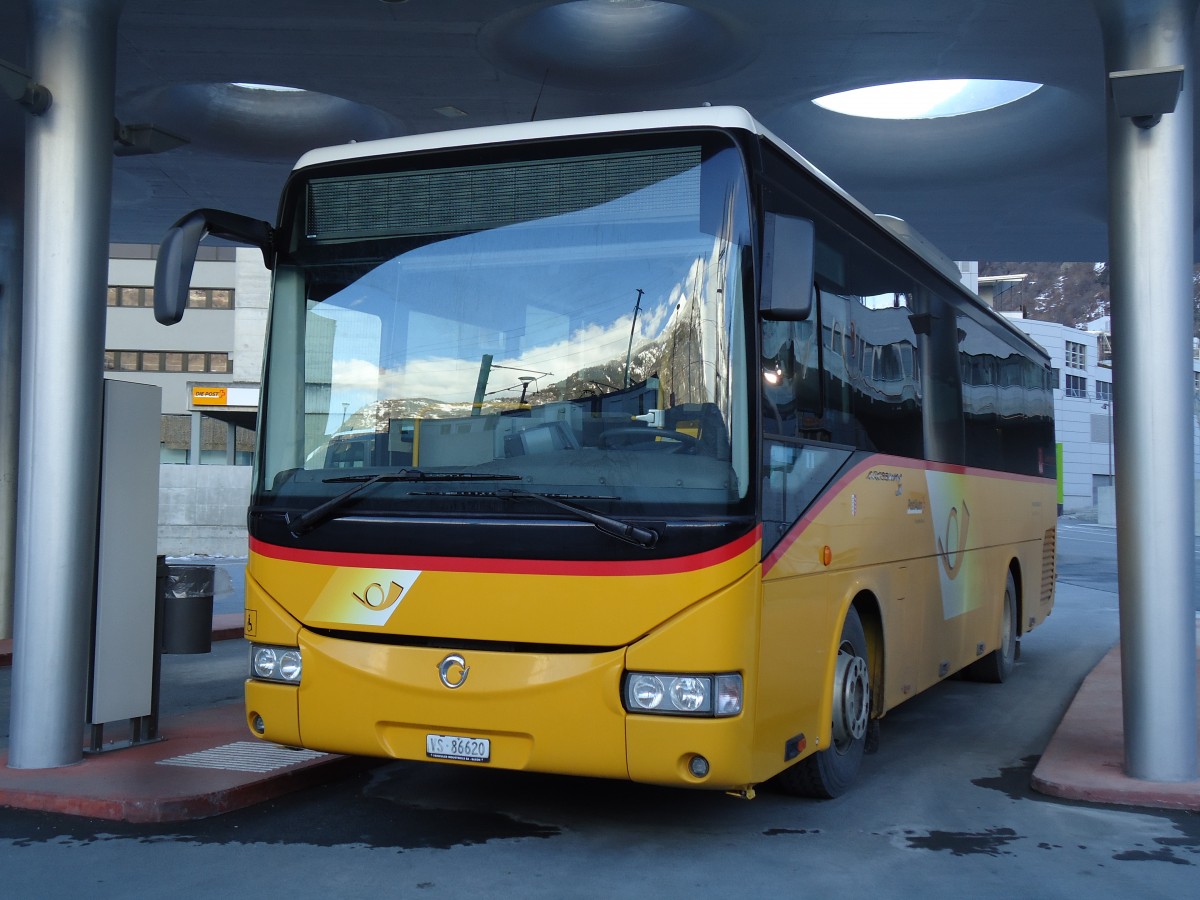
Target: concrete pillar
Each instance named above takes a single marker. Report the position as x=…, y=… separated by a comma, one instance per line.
x=1150, y=248
x=67, y=205
x=197, y=442
x=12, y=228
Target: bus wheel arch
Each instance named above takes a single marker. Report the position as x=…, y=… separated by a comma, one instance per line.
x=997, y=666
x=866, y=605
x=832, y=770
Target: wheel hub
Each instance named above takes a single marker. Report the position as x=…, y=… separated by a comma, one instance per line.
x=851, y=700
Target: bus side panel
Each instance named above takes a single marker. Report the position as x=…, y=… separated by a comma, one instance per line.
x=932, y=545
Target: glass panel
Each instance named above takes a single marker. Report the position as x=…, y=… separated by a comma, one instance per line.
x=793, y=475
x=176, y=439
x=173, y=362
x=151, y=361
x=520, y=332
x=196, y=362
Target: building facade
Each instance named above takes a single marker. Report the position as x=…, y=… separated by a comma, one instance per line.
x=1084, y=409
x=208, y=368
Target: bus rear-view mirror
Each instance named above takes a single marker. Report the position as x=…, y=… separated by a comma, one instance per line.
x=787, y=269
x=177, y=254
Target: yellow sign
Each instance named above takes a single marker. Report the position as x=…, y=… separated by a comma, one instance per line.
x=209, y=396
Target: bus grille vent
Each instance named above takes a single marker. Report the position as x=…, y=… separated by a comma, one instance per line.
x=1049, y=564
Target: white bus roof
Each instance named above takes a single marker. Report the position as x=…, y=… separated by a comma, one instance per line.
x=731, y=117
x=724, y=117
x=712, y=116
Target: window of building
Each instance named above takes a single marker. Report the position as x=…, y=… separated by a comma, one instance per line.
x=1076, y=355
x=150, y=251
x=198, y=298
x=1104, y=391
x=210, y=298
x=166, y=361
x=119, y=295
x=215, y=438
x=1076, y=386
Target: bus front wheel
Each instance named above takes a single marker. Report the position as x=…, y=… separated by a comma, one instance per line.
x=830, y=772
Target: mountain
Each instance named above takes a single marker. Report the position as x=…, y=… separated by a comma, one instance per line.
x=1071, y=293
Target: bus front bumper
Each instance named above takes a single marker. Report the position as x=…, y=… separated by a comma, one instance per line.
x=544, y=712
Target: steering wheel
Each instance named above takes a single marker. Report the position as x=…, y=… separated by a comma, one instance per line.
x=635, y=438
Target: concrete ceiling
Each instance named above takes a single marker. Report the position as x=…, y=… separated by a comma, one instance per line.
x=1023, y=182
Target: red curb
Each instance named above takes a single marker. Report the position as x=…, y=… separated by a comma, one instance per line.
x=129, y=785
x=1085, y=759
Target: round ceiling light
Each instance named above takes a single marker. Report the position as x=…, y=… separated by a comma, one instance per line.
x=257, y=121
x=935, y=99
x=617, y=44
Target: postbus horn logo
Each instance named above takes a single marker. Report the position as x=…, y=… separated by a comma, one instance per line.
x=374, y=597
x=951, y=552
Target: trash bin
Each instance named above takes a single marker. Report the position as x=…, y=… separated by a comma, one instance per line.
x=188, y=609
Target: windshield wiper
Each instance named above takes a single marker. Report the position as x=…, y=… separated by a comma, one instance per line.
x=631, y=534
x=308, y=521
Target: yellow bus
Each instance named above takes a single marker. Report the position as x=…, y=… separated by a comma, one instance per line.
x=625, y=446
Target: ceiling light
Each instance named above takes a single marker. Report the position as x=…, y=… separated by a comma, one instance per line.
x=935, y=99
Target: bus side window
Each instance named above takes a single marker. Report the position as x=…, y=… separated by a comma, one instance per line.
x=791, y=379
x=793, y=475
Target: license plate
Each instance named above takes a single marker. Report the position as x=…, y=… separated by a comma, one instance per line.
x=449, y=746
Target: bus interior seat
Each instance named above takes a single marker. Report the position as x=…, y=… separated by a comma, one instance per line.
x=545, y=437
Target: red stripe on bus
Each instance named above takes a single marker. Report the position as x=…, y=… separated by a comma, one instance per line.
x=495, y=566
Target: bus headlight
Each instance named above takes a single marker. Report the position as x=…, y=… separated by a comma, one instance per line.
x=269, y=663
x=683, y=695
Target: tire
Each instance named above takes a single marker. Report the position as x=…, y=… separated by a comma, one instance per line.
x=997, y=666
x=830, y=772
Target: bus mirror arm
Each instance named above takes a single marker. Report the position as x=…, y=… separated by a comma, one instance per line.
x=788, y=268
x=177, y=254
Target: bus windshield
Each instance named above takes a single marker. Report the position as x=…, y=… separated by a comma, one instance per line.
x=572, y=324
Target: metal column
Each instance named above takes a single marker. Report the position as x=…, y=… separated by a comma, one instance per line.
x=12, y=228
x=1150, y=247
x=68, y=200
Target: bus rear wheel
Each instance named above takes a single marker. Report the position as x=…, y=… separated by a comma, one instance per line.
x=997, y=666
x=830, y=772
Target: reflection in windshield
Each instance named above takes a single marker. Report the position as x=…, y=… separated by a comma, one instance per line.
x=522, y=348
